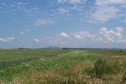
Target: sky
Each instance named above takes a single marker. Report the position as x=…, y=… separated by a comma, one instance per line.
x=63, y=23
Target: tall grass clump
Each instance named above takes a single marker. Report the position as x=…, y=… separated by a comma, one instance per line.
x=100, y=69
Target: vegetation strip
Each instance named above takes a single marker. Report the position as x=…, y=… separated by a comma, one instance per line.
x=68, y=67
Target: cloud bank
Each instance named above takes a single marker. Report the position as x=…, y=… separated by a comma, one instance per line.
x=6, y=39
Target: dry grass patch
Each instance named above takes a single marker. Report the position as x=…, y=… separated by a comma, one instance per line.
x=18, y=81
x=79, y=68
x=118, y=64
x=1, y=82
x=41, y=77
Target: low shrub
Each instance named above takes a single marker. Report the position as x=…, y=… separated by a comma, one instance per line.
x=100, y=69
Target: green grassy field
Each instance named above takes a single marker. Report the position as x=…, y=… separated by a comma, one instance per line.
x=16, y=56
x=41, y=66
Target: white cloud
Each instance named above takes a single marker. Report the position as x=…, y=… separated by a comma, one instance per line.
x=105, y=35
x=119, y=29
x=110, y=2
x=2, y=39
x=77, y=8
x=78, y=36
x=21, y=7
x=21, y=32
x=107, y=10
x=25, y=31
x=75, y=1
x=42, y=22
x=69, y=1
x=84, y=35
x=104, y=13
x=24, y=7
x=112, y=36
x=10, y=38
x=36, y=40
x=67, y=11
x=6, y=39
x=65, y=35
x=63, y=10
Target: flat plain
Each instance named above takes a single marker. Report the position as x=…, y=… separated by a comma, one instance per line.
x=67, y=66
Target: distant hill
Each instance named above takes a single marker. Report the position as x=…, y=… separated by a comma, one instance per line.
x=54, y=47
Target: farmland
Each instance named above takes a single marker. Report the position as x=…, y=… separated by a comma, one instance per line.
x=43, y=66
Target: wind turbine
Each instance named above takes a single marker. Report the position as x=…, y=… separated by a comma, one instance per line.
x=41, y=44
x=19, y=44
x=29, y=45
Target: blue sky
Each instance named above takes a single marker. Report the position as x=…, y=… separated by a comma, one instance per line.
x=65, y=23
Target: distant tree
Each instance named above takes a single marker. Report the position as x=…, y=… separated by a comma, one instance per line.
x=120, y=50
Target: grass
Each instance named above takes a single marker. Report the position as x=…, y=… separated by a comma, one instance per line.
x=16, y=56
x=61, y=66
